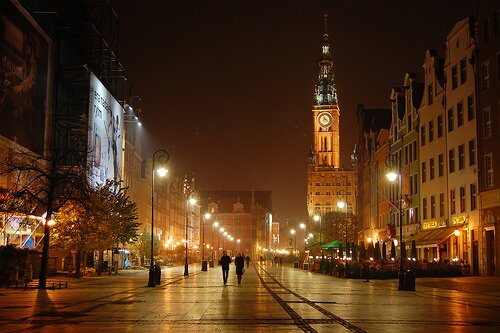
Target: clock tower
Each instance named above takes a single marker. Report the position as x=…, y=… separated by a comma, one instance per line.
x=325, y=110
x=328, y=183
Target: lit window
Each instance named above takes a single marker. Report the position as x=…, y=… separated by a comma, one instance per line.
x=463, y=71
x=431, y=168
x=441, y=204
x=452, y=201
x=450, y=120
x=433, y=207
x=472, y=152
x=470, y=108
x=451, y=159
x=462, y=199
x=440, y=126
x=440, y=165
x=431, y=130
x=461, y=157
x=473, y=195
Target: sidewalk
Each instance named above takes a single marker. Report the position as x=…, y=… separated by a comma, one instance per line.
x=270, y=299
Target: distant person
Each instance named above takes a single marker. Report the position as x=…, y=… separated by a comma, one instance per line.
x=247, y=259
x=281, y=260
x=239, y=262
x=225, y=260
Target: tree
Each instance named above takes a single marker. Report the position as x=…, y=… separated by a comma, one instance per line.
x=43, y=183
x=142, y=246
x=333, y=227
x=105, y=219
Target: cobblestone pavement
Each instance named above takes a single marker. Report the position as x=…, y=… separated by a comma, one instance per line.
x=270, y=299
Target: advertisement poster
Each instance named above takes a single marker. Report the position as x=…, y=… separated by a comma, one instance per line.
x=24, y=53
x=105, y=134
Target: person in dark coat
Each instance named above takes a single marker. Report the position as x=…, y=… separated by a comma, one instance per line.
x=225, y=260
x=247, y=259
x=239, y=262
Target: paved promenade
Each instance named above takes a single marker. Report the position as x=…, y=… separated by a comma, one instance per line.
x=270, y=299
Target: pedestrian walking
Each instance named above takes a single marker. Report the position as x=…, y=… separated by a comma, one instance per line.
x=239, y=262
x=225, y=260
x=247, y=259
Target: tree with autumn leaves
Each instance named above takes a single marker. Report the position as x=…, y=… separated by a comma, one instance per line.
x=104, y=219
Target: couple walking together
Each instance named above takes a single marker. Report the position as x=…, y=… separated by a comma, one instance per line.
x=239, y=262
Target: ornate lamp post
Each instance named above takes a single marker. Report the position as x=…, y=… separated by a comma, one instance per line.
x=343, y=204
x=215, y=225
x=162, y=157
x=317, y=218
x=190, y=192
x=392, y=176
x=204, y=266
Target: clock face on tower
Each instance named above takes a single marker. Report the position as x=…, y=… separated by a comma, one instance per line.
x=325, y=119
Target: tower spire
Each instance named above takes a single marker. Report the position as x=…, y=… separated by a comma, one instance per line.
x=325, y=93
x=325, y=15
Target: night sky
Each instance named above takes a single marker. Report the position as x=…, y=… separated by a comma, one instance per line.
x=227, y=86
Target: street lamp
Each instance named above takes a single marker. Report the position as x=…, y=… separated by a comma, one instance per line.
x=162, y=157
x=204, y=266
x=392, y=176
x=343, y=204
x=318, y=218
x=190, y=192
x=215, y=225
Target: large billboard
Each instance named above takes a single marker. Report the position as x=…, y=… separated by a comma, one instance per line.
x=105, y=134
x=24, y=65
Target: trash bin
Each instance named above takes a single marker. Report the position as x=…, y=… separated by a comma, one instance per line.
x=211, y=263
x=409, y=280
x=204, y=265
x=306, y=266
x=157, y=274
x=295, y=264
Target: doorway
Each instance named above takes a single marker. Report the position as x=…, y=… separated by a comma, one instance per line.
x=490, y=252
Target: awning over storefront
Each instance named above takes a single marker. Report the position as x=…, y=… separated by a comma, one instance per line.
x=432, y=237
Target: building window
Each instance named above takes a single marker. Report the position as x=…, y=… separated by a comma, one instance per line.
x=461, y=157
x=414, y=145
x=451, y=160
x=424, y=208
x=472, y=152
x=462, y=199
x=488, y=166
x=452, y=202
x=485, y=76
x=463, y=71
x=470, y=108
x=422, y=135
x=414, y=184
x=460, y=114
x=487, y=122
x=317, y=193
x=433, y=207
x=409, y=123
x=431, y=168
x=450, y=120
x=440, y=165
x=473, y=197
x=441, y=204
x=440, y=126
x=430, y=94
x=424, y=170
x=454, y=78
x=431, y=130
